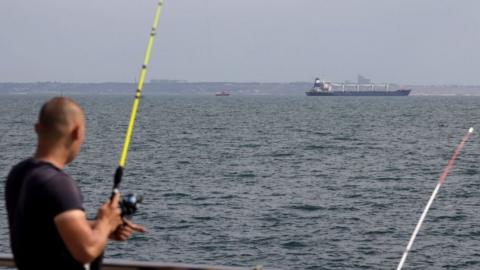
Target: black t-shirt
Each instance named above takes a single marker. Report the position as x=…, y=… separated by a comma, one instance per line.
x=35, y=193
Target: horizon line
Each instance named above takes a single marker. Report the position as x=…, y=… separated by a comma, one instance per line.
x=158, y=81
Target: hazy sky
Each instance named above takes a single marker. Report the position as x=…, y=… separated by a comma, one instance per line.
x=403, y=41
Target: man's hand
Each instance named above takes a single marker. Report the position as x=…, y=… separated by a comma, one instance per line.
x=124, y=231
x=109, y=213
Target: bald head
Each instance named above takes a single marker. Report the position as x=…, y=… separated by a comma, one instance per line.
x=58, y=116
x=60, y=130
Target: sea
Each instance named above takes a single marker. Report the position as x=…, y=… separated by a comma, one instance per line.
x=287, y=182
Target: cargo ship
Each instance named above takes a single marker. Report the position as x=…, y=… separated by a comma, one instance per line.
x=222, y=94
x=323, y=88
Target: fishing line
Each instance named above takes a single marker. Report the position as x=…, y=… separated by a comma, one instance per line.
x=441, y=180
x=143, y=71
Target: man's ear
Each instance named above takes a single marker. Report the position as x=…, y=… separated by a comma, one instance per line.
x=75, y=134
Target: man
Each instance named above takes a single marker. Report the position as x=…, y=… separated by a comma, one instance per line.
x=48, y=226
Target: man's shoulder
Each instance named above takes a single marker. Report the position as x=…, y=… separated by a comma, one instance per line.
x=47, y=184
x=21, y=167
x=39, y=173
x=29, y=165
x=18, y=172
x=48, y=176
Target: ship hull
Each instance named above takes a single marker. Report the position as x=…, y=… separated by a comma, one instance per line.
x=398, y=93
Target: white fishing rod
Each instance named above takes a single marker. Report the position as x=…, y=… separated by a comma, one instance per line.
x=441, y=180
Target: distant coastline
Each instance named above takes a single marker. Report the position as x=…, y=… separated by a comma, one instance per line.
x=175, y=87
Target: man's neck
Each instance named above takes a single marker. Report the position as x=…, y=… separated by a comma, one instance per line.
x=56, y=158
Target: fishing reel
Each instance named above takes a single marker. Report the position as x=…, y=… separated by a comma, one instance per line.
x=129, y=204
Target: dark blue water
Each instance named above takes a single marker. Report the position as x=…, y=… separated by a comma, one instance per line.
x=286, y=182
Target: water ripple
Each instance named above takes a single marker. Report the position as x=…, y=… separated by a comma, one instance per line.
x=289, y=183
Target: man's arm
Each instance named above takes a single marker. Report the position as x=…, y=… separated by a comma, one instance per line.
x=124, y=231
x=85, y=241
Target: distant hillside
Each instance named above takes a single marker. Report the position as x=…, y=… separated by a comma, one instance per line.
x=158, y=87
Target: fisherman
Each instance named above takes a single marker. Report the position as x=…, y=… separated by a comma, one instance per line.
x=48, y=225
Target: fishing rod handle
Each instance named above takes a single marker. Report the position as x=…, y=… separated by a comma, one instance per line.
x=117, y=179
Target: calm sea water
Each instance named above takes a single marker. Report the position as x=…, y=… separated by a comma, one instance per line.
x=286, y=182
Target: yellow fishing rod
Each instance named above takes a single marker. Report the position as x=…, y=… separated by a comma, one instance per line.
x=128, y=135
